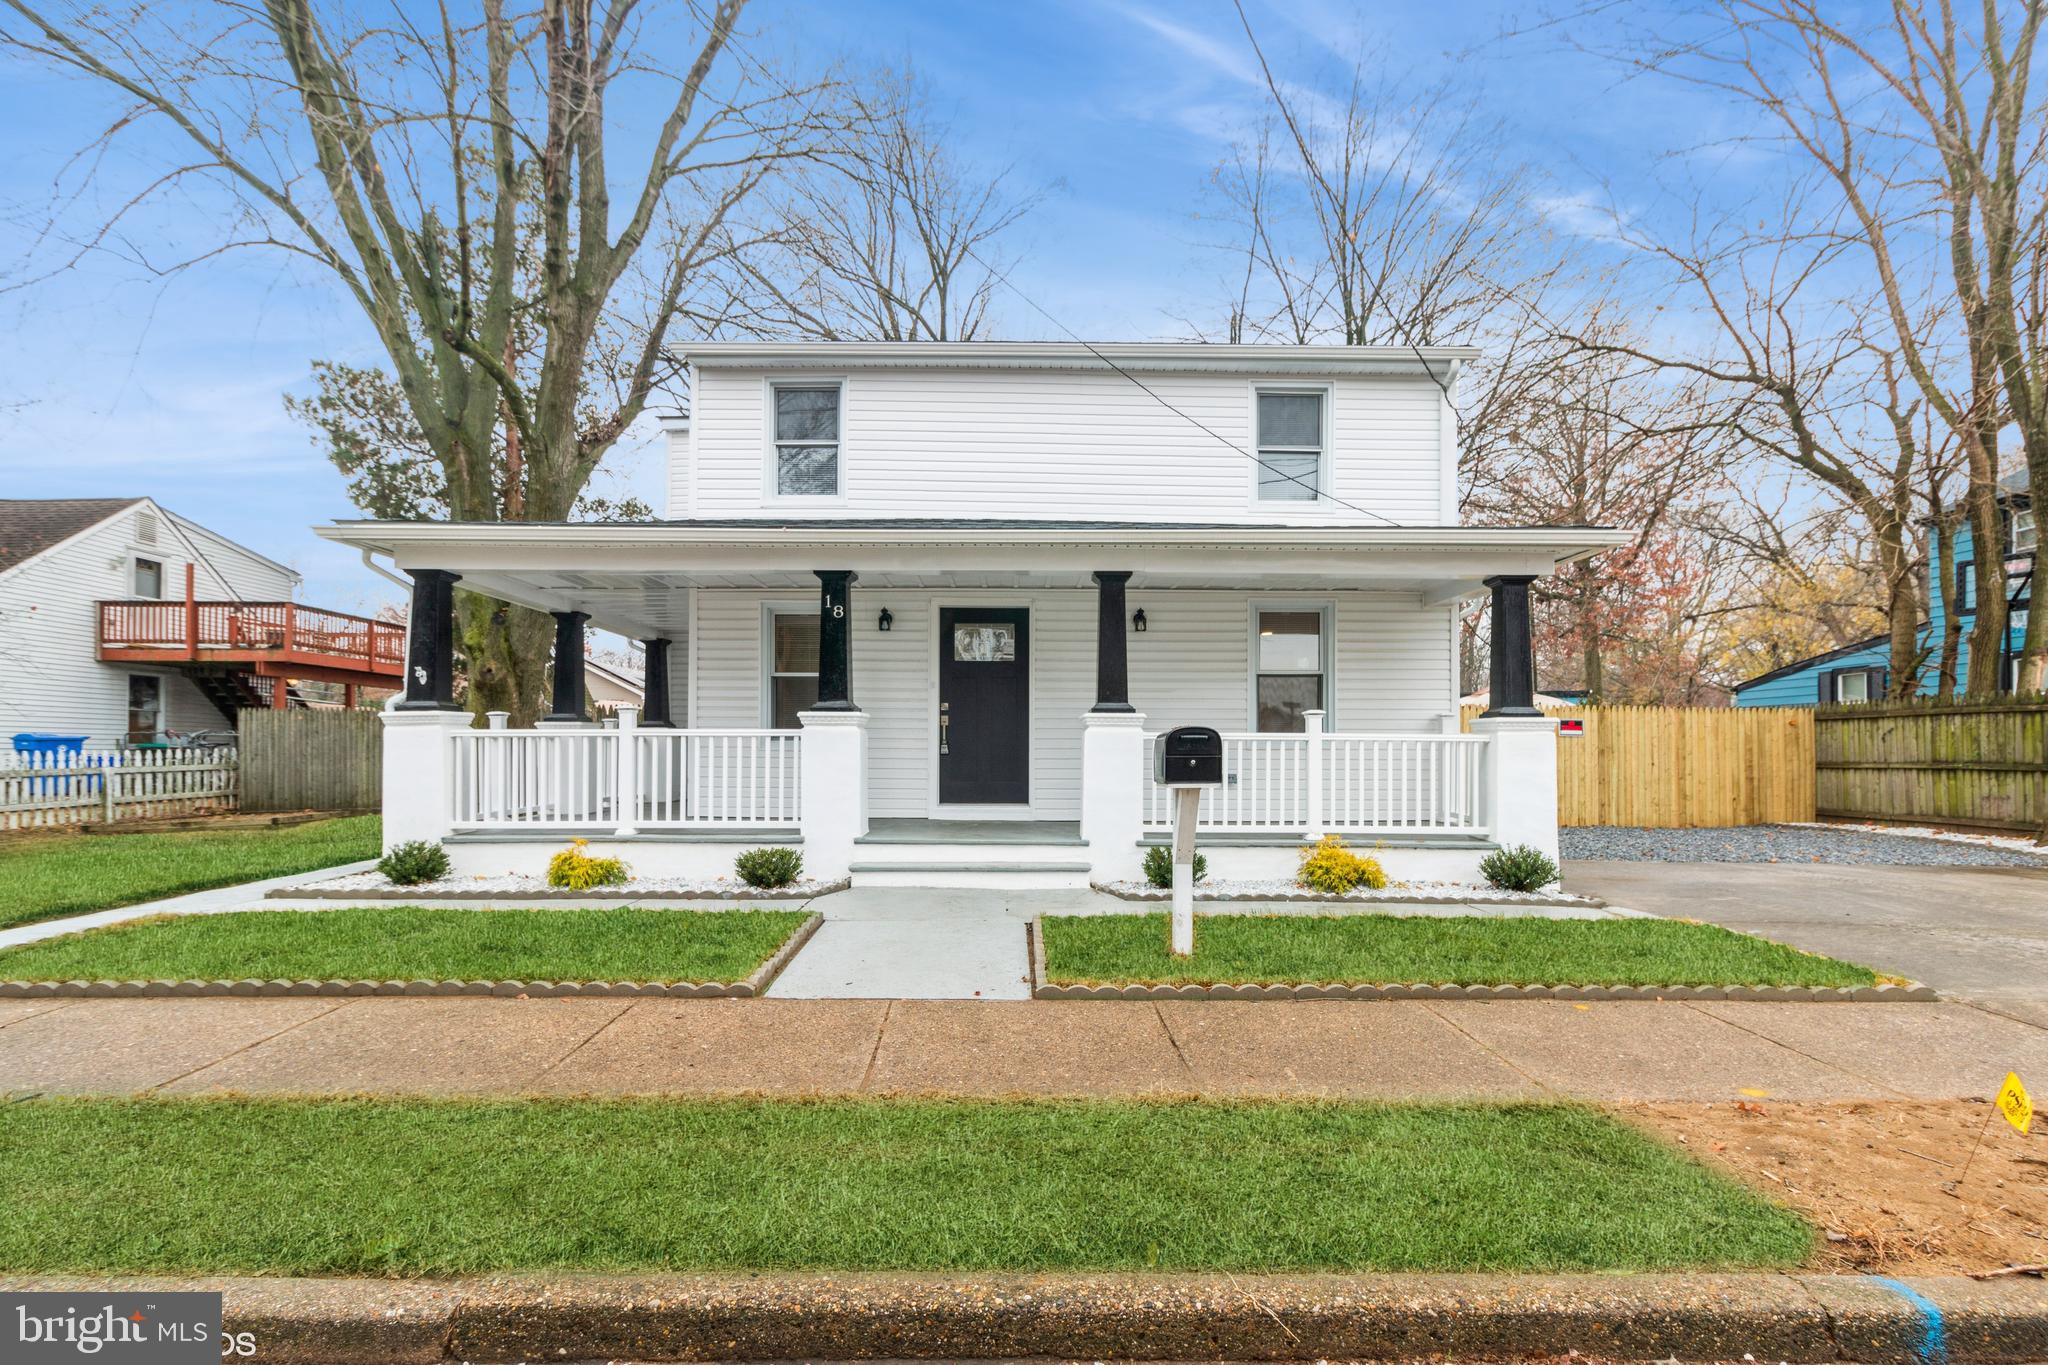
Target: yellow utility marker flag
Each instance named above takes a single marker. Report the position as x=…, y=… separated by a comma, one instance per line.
x=2014, y=1102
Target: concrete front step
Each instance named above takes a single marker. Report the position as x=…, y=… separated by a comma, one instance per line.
x=1010, y=867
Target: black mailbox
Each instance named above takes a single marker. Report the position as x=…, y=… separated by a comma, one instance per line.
x=1191, y=756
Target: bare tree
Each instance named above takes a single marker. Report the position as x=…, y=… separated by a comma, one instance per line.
x=1925, y=127
x=893, y=239
x=420, y=167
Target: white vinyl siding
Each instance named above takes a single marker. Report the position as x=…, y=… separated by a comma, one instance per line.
x=54, y=683
x=1064, y=444
x=1391, y=669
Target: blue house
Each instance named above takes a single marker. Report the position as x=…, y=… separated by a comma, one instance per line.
x=1862, y=671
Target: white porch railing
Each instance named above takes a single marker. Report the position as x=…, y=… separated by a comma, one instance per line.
x=624, y=779
x=1313, y=784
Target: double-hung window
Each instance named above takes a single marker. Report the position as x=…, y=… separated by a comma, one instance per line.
x=806, y=440
x=792, y=666
x=2024, y=535
x=1290, y=467
x=149, y=578
x=1966, y=587
x=1289, y=673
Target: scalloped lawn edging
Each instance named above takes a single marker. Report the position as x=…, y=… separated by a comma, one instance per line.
x=432, y=893
x=751, y=984
x=1399, y=893
x=1045, y=987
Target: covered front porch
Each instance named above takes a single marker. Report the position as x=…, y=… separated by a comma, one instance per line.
x=969, y=704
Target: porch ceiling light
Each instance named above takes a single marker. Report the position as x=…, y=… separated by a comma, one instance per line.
x=1138, y=620
x=885, y=620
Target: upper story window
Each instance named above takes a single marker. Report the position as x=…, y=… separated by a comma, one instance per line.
x=806, y=440
x=1290, y=467
x=2024, y=535
x=1966, y=587
x=149, y=578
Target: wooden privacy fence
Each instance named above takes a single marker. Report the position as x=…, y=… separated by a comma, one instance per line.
x=1981, y=764
x=310, y=759
x=1681, y=767
x=43, y=791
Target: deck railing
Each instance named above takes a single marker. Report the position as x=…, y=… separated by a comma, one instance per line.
x=234, y=626
x=625, y=779
x=1311, y=784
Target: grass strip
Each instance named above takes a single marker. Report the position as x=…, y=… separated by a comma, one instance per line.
x=43, y=876
x=411, y=942
x=367, y=1187
x=1466, y=950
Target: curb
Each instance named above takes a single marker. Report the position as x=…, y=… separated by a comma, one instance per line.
x=1785, y=1317
x=1044, y=989
x=753, y=985
x=555, y=893
x=1163, y=895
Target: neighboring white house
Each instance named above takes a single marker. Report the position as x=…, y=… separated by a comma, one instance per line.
x=907, y=590
x=100, y=640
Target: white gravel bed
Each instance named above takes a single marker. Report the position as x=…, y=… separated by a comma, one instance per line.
x=508, y=884
x=1281, y=889
x=1839, y=845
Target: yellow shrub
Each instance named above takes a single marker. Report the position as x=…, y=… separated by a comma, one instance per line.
x=578, y=871
x=1330, y=867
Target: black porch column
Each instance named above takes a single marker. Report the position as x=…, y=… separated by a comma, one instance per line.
x=654, y=684
x=568, y=665
x=1112, y=664
x=1511, y=676
x=835, y=640
x=430, y=633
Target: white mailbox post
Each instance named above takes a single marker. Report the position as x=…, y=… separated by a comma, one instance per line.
x=1188, y=759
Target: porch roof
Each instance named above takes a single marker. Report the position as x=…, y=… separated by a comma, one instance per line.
x=626, y=574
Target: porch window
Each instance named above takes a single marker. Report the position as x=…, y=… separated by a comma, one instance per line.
x=1289, y=669
x=807, y=440
x=149, y=579
x=1290, y=445
x=792, y=666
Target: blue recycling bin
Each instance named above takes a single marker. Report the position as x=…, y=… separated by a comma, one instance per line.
x=30, y=743
x=60, y=753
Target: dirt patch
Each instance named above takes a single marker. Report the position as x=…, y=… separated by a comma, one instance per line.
x=1879, y=1179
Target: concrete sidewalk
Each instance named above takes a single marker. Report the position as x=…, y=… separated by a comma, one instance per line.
x=1381, y=1050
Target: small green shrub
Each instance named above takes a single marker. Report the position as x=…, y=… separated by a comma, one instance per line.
x=1328, y=866
x=1520, y=868
x=578, y=871
x=1159, y=866
x=409, y=864
x=769, y=867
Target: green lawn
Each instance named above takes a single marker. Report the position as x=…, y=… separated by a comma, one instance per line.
x=367, y=1187
x=43, y=876
x=410, y=942
x=1467, y=950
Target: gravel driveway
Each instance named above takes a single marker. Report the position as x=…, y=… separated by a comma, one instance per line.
x=1780, y=844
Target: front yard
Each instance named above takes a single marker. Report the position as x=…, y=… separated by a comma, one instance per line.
x=365, y=1187
x=44, y=876
x=409, y=942
x=1463, y=950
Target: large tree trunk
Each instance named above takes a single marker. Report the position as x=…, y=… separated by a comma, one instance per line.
x=1951, y=624
x=1902, y=607
x=506, y=650
x=1987, y=534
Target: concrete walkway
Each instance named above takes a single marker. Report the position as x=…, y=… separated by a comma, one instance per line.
x=880, y=943
x=1976, y=933
x=1384, y=1050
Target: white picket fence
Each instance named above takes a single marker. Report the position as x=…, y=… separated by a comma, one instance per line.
x=1307, y=785
x=625, y=778
x=53, y=790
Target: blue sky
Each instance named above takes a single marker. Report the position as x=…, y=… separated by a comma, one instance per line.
x=116, y=383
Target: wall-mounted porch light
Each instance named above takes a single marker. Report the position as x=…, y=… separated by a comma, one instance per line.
x=1138, y=621
x=885, y=620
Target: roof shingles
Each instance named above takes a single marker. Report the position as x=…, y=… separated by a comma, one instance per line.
x=28, y=526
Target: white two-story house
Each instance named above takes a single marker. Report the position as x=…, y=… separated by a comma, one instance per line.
x=922, y=607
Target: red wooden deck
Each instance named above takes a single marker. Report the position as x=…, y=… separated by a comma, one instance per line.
x=276, y=639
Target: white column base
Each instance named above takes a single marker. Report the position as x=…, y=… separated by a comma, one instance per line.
x=1521, y=780
x=834, y=773
x=1113, y=781
x=417, y=773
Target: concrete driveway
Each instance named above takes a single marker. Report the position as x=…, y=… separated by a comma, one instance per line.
x=1973, y=933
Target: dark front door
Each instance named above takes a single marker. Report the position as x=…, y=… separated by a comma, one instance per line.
x=984, y=706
